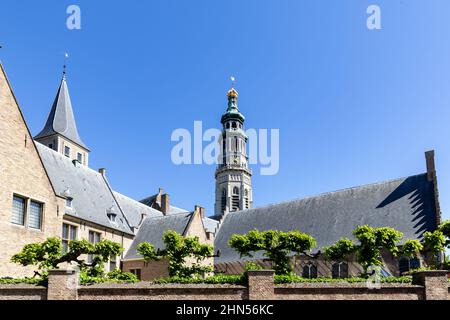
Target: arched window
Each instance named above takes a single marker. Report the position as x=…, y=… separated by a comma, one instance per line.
x=309, y=271
x=224, y=199
x=339, y=270
x=228, y=125
x=246, y=199
x=235, y=201
x=233, y=125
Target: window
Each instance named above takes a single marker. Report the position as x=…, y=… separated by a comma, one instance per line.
x=80, y=157
x=309, y=271
x=246, y=199
x=112, y=263
x=69, y=202
x=94, y=237
x=67, y=151
x=339, y=270
x=137, y=273
x=406, y=264
x=35, y=217
x=18, y=210
x=112, y=217
x=235, y=199
x=224, y=199
x=69, y=233
x=233, y=125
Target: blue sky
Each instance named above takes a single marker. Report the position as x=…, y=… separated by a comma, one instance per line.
x=353, y=106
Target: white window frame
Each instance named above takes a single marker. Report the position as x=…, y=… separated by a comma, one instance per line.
x=26, y=214
x=68, y=239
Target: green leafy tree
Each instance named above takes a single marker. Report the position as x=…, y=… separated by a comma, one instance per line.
x=411, y=248
x=276, y=245
x=49, y=255
x=445, y=229
x=178, y=250
x=371, y=243
x=340, y=250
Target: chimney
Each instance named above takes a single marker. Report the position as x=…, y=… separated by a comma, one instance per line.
x=201, y=211
x=102, y=171
x=431, y=168
x=165, y=204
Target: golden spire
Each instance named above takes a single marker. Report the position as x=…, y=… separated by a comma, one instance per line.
x=232, y=93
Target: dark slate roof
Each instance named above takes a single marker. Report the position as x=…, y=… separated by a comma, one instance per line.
x=61, y=119
x=406, y=204
x=92, y=196
x=153, y=229
x=134, y=210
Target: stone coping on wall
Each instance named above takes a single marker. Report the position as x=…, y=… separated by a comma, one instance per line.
x=332, y=285
x=21, y=286
x=153, y=286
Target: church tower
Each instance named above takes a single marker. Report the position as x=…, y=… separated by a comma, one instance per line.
x=60, y=131
x=233, y=176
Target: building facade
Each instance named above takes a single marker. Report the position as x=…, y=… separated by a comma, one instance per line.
x=49, y=190
x=30, y=209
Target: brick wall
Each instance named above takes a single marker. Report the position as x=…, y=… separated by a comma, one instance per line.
x=22, y=174
x=427, y=285
x=22, y=292
x=148, y=291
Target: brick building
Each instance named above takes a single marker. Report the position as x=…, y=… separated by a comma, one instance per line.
x=48, y=189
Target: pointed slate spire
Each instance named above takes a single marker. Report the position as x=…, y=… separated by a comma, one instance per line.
x=61, y=119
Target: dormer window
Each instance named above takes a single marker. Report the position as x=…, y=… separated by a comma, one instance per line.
x=69, y=203
x=112, y=215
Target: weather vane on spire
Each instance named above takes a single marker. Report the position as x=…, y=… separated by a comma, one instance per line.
x=233, y=81
x=66, y=56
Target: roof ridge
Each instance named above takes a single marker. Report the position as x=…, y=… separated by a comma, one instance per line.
x=170, y=215
x=323, y=194
x=44, y=147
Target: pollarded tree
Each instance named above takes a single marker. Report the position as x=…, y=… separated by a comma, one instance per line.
x=178, y=249
x=49, y=255
x=276, y=245
x=371, y=243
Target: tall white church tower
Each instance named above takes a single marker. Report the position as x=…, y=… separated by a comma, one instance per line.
x=233, y=176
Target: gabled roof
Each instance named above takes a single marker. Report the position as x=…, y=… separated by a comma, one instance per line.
x=406, y=204
x=134, y=209
x=91, y=196
x=153, y=229
x=61, y=119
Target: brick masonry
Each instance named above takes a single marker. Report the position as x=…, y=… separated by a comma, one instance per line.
x=62, y=286
x=21, y=173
